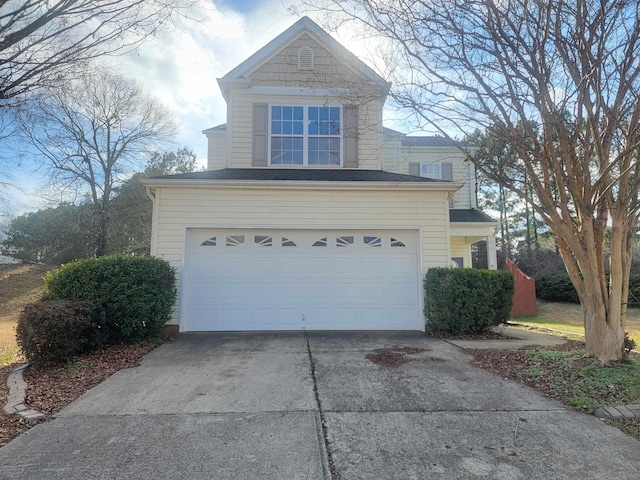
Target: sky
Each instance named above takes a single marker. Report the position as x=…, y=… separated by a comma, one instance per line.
x=180, y=68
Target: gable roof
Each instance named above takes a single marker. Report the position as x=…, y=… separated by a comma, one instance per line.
x=304, y=25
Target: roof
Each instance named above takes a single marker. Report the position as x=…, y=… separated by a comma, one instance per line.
x=469, y=216
x=301, y=174
x=304, y=25
x=416, y=141
x=218, y=128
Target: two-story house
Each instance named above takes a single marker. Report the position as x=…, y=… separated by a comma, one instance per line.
x=311, y=214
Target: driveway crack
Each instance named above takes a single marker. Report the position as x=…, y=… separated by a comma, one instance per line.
x=327, y=445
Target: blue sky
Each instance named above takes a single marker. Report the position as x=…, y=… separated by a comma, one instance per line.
x=180, y=68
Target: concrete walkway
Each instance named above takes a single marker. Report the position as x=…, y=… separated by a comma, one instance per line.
x=321, y=406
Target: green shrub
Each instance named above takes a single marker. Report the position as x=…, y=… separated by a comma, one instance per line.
x=137, y=292
x=467, y=300
x=59, y=330
x=557, y=288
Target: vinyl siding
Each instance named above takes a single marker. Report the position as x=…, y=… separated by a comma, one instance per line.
x=282, y=68
x=179, y=208
x=217, y=150
x=241, y=115
x=398, y=162
x=460, y=248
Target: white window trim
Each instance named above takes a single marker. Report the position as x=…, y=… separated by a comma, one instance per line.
x=305, y=136
x=431, y=164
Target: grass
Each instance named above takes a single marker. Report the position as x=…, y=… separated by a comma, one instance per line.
x=19, y=285
x=567, y=317
x=583, y=383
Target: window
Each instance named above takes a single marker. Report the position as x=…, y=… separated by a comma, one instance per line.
x=344, y=241
x=397, y=243
x=431, y=170
x=210, y=242
x=287, y=242
x=306, y=135
x=371, y=241
x=320, y=243
x=263, y=240
x=234, y=240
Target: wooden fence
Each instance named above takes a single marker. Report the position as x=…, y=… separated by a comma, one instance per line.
x=524, y=297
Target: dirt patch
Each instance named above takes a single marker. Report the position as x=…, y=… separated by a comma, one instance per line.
x=398, y=355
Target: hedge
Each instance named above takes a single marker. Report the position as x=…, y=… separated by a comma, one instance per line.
x=58, y=330
x=558, y=288
x=466, y=301
x=137, y=293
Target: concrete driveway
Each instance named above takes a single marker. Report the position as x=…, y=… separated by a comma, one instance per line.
x=288, y=406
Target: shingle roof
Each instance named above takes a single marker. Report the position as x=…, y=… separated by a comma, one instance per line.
x=218, y=128
x=302, y=174
x=469, y=216
x=428, y=142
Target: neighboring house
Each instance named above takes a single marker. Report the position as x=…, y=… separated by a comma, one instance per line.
x=311, y=214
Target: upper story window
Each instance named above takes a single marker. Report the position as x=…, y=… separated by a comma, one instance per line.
x=431, y=170
x=305, y=135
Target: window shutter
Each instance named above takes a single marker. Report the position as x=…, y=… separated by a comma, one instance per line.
x=350, y=136
x=414, y=169
x=447, y=171
x=260, y=134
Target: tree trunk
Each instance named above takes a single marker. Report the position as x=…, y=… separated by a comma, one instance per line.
x=101, y=239
x=604, y=331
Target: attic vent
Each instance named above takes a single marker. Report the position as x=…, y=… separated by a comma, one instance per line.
x=305, y=59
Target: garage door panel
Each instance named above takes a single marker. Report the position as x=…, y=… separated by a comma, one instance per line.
x=269, y=286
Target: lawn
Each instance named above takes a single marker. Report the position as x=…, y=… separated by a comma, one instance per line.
x=19, y=285
x=567, y=317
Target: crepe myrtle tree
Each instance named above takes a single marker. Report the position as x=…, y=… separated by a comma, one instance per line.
x=558, y=81
x=91, y=136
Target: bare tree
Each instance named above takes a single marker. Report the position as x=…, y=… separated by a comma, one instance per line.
x=93, y=134
x=567, y=68
x=43, y=42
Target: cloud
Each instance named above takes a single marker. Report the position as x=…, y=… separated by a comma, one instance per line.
x=180, y=66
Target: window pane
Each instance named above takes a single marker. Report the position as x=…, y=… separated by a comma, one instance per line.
x=313, y=128
x=334, y=113
x=287, y=113
x=335, y=158
x=298, y=113
x=313, y=113
x=297, y=157
x=276, y=113
x=297, y=128
x=287, y=128
x=313, y=157
x=324, y=113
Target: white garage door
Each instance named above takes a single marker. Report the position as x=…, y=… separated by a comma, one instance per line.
x=291, y=280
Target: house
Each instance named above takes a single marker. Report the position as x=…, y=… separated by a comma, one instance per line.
x=311, y=214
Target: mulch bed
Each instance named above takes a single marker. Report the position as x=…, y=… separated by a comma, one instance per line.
x=51, y=387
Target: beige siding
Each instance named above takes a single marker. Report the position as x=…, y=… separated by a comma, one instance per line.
x=217, y=150
x=282, y=68
x=460, y=248
x=180, y=208
x=391, y=156
x=241, y=121
x=461, y=168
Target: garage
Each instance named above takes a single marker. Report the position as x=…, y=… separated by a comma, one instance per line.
x=238, y=280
